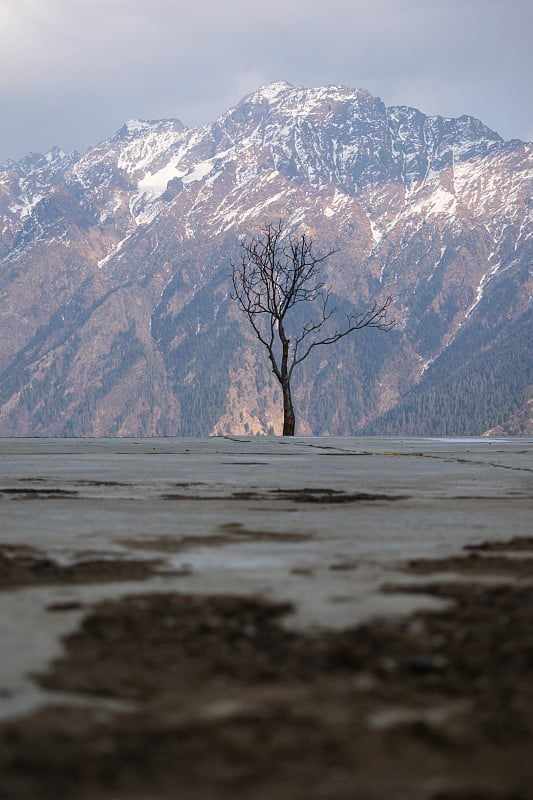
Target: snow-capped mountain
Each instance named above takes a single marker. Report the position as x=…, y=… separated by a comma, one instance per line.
x=116, y=315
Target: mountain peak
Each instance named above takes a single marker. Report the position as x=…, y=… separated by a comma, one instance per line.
x=55, y=154
x=135, y=125
x=274, y=89
x=139, y=128
x=272, y=92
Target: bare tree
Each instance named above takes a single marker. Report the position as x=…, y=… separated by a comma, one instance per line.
x=277, y=273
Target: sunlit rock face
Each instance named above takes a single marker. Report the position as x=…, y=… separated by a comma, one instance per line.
x=116, y=315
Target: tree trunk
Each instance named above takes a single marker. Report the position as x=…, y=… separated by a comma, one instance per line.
x=284, y=379
x=289, y=421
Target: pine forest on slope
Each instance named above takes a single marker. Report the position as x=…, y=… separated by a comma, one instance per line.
x=116, y=312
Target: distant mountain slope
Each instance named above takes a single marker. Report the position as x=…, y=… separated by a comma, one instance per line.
x=116, y=317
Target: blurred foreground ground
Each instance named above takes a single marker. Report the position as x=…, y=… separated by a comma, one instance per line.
x=259, y=618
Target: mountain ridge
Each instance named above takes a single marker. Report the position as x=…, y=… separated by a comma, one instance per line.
x=114, y=263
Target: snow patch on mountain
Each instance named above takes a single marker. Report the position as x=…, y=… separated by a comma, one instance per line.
x=154, y=184
x=272, y=91
x=440, y=201
x=118, y=247
x=25, y=208
x=481, y=288
x=144, y=151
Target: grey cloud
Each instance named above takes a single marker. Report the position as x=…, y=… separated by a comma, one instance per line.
x=71, y=71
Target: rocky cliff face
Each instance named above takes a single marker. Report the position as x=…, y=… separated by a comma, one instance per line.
x=116, y=317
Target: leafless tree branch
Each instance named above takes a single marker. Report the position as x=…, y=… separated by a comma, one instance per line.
x=276, y=273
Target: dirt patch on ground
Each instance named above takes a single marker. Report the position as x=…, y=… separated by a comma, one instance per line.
x=24, y=566
x=306, y=495
x=475, y=564
x=317, y=495
x=517, y=545
x=229, y=533
x=18, y=493
x=513, y=558
x=228, y=704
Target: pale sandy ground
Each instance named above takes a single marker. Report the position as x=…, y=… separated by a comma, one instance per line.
x=212, y=508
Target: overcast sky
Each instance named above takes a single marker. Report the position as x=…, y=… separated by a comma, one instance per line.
x=72, y=71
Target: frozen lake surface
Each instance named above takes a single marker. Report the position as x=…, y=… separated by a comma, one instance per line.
x=323, y=523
